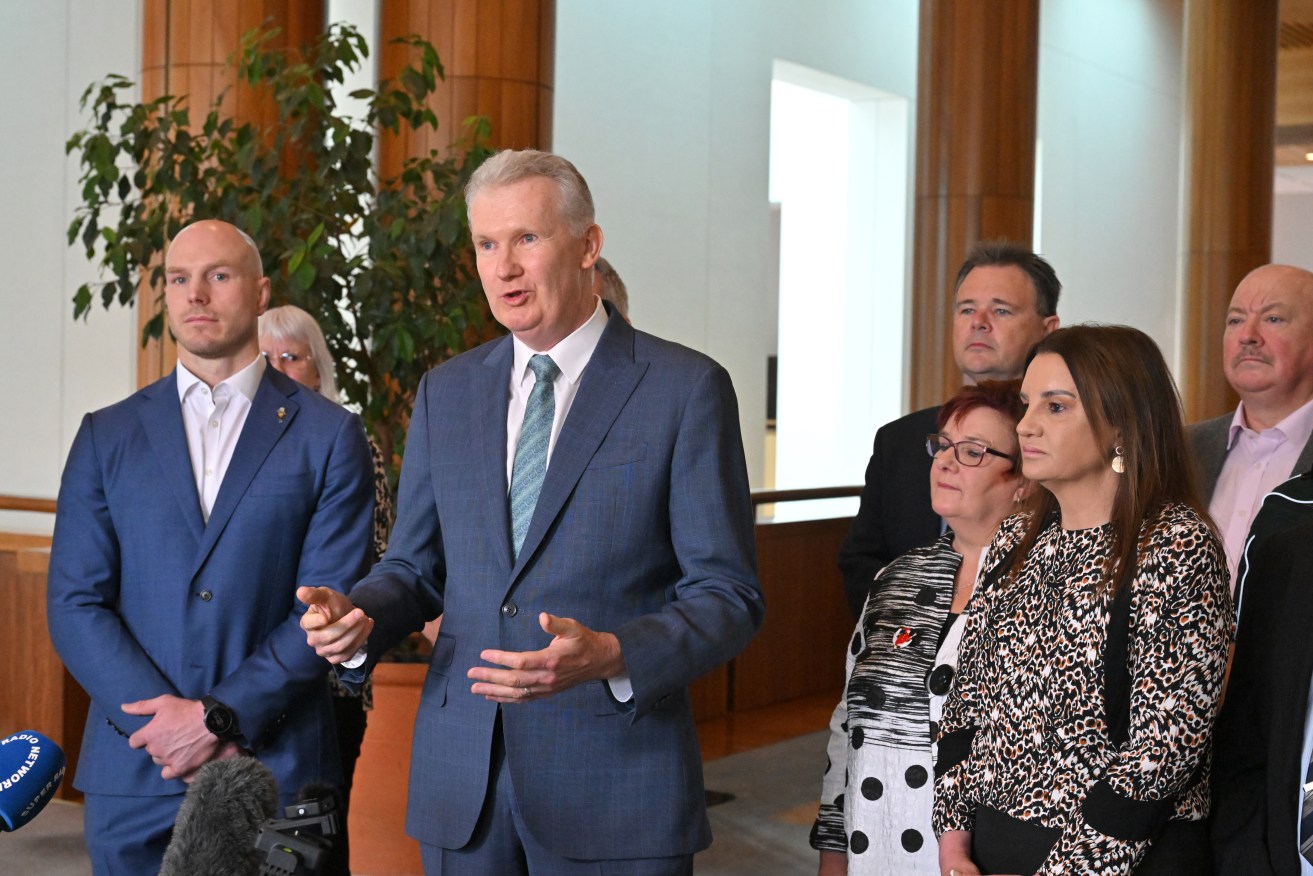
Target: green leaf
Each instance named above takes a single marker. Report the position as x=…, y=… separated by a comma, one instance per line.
x=304, y=276
x=82, y=301
x=382, y=263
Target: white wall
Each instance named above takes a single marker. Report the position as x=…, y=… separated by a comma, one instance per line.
x=665, y=108
x=52, y=370
x=1109, y=194
x=1292, y=217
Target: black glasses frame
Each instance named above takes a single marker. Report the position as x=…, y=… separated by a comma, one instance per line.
x=936, y=444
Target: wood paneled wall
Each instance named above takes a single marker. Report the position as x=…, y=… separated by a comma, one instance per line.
x=499, y=58
x=38, y=694
x=186, y=46
x=801, y=646
x=1228, y=137
x=977, y=83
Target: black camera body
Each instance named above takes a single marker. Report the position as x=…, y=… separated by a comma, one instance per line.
x=300, y=842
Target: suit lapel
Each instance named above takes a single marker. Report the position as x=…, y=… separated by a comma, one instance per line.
x=260, y=433
x=608, y=382
x=161, y=415
x=490, y=400
x=1305, y=461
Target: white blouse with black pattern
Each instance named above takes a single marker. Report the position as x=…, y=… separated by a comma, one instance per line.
x=877, y=790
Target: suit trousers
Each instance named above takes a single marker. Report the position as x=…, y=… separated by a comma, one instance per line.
x=502, y=843
x=127, y=836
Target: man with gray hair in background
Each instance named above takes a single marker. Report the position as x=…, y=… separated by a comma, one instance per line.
x=574, y=497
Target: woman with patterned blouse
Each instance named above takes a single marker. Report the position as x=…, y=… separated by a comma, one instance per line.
x=876, y=794
x=1076, y=738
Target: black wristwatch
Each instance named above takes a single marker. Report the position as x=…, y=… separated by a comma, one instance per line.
x=220, y=719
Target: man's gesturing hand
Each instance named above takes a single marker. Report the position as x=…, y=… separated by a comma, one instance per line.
x=575, y=655
x=334, y=627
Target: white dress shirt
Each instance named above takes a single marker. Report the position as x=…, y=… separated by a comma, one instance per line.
x=213, y=419
x=571, y=355
x=1305, y=868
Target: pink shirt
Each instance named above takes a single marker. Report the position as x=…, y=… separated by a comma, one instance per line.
x=1255, y=463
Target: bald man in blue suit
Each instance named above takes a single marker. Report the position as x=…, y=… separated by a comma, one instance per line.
x=187, y=515
x=555, y=733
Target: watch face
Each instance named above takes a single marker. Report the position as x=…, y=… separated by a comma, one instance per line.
x=219, y=720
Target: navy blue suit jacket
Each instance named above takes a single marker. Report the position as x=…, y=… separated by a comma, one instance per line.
x=643, y=529
x=145, y=598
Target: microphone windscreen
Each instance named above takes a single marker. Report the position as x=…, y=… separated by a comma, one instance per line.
x=226, y=803
x=31, y=767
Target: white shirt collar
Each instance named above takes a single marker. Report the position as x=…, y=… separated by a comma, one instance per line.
x=246, y=381
x=571, y=354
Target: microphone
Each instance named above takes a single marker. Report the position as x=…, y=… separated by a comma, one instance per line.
x=220, y=818
x=31, y=768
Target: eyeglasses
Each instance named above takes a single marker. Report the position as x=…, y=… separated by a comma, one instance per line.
x=969, y=453
x=290, y=358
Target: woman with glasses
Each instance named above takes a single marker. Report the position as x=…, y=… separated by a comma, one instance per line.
x=877, y=792
x=1076, y=735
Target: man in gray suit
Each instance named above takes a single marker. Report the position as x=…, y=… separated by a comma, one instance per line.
x=1268, y=360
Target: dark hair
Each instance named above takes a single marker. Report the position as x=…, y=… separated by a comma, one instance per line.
x=1129, y=397
x=1004, y=253
x=1001, y=396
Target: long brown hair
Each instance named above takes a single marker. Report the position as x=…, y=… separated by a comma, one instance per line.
x=1130, y=400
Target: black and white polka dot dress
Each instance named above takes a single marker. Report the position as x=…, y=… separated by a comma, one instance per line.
x=878, y=789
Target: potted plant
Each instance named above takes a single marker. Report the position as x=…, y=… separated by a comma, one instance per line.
x=384, y=264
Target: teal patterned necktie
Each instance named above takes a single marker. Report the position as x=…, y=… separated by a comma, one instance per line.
x=531, y=453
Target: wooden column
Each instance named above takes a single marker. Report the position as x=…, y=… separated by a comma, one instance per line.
x=1227, y=155
x=975, y=160
x=499, y=59
x=186, y=47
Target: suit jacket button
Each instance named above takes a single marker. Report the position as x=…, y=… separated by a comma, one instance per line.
x=206, y=595
x=509, y=609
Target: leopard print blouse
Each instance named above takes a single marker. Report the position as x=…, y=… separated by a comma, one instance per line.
x=383, y=512
x=1030, y=685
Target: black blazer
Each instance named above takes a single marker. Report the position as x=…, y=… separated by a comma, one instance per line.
x=895, y=514
x=1260, y=733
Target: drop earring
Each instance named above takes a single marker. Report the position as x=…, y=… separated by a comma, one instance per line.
x=1118, y=462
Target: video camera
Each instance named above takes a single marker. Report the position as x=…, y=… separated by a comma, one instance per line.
x=299, y=843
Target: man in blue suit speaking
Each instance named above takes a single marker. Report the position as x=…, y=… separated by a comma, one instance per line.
x=574, y=501
x=187, y=514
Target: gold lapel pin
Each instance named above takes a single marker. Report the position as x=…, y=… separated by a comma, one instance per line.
x=282, y=414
